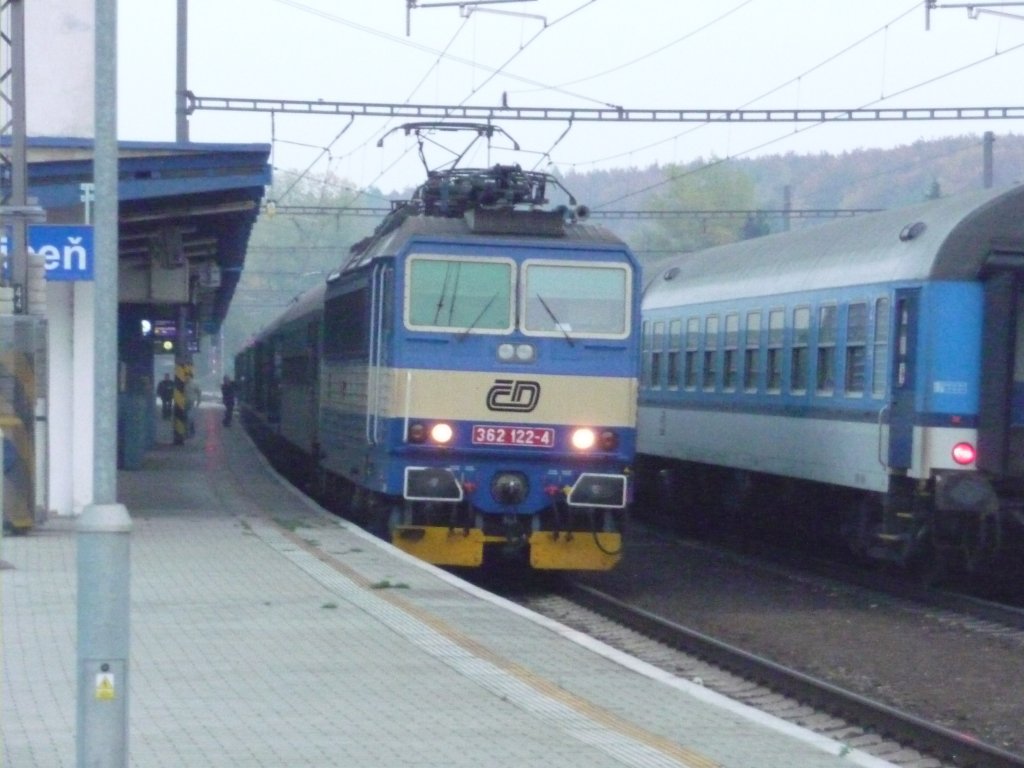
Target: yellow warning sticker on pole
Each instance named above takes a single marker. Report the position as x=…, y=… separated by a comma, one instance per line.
x=105, y=686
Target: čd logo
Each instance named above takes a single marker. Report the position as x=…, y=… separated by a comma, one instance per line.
x=511, y=395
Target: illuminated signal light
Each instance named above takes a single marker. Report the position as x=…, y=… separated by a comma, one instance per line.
x=583, y=439
x=964, y=454
x=442, y=433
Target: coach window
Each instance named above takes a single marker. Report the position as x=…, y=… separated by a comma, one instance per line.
x=710, y=352
x=459, y=294
x=880, y=368
x=647, y=342
x=799, y=355
x=776, y=330
x=856, y=348
x=826, y=382
x=675, y=331
x=692, y=348
x=752, y=352
x=730, y=364
x=656, y=354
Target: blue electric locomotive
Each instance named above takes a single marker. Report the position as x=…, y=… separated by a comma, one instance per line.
x=467, y=381
x=873, y=366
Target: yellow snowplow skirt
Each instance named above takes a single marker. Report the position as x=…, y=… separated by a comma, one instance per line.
x=441, y=545
x=581, y=552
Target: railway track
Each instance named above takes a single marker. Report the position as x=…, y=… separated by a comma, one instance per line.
x=849, y=718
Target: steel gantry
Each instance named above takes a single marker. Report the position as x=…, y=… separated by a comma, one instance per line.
x=594, y=115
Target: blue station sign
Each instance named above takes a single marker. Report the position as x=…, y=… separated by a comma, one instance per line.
x=67, y=251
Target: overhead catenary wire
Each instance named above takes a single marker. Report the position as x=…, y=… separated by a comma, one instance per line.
x=803, y=129
x=504, y=72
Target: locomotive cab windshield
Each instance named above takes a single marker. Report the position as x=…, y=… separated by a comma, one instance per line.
x=573, y=299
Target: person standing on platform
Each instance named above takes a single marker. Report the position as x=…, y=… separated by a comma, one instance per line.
x=193, y=396
x=165, y=391
x=227, y=393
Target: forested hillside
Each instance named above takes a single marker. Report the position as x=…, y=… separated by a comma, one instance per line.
x=861, y=179
x=289, y=253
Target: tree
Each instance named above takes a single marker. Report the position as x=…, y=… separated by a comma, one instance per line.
x=716, y=185
x=289, y=254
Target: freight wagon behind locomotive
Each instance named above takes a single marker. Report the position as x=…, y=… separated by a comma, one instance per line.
x=872, y=367
x=467, y=382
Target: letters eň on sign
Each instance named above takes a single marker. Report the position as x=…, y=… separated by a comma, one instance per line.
x=67, y=250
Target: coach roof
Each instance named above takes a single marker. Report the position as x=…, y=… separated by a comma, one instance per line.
x=947, y=239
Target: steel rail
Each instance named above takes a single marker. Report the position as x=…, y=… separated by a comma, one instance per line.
x=889, y=722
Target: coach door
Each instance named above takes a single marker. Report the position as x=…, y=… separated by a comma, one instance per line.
x=1001, y=407
x=899, y=454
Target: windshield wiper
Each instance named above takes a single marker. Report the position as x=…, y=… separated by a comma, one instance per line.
x=462, y=336
x=444, y=292
x=554, y=319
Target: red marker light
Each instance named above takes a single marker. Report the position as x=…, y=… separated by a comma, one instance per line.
x=964, y=454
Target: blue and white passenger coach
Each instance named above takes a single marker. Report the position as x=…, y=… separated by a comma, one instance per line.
x=477, y=377
x=873, y=366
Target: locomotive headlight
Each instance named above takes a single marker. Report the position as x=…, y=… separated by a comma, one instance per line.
x=583, y=439
x=964, y=454
x=524, y=352
x=609, y=440
x=520, y=353
x=441, y=433
x=509, y=487
x=417, y=433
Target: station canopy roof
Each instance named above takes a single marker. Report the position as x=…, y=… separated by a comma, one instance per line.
x=186, y=211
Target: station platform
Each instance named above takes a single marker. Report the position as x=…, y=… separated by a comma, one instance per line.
x=267, y=632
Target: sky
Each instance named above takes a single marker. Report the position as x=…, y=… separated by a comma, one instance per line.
x=584, y=54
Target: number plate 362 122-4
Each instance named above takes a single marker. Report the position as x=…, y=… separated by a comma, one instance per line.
x=528, y=437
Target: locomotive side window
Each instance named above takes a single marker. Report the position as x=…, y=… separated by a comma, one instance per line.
x=675, y=329
x=881, y=351
x=826, y=381
x=458, y=294
x=710, y=352
x=856, y=348
x=752, y=353
x=730, y=365
x=776, y=329
x=692, y=347
x=576, y=299
x=346, y=324
x=799, y=353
